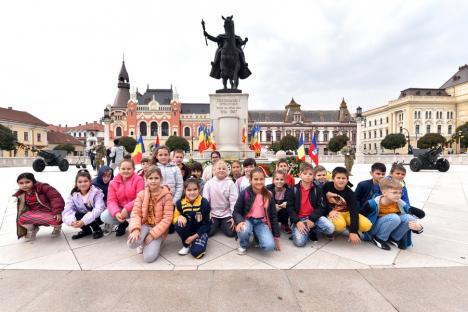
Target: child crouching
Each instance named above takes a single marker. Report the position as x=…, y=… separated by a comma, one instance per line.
x=192, y=220
x=151, y=216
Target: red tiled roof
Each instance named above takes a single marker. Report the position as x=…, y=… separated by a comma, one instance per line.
x=20, y=116
x=86, y=127
x=54, y=137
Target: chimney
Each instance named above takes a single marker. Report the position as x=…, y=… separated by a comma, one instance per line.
x=60, y=125
x=86, y=122
x=79, y=125
x=66, y=126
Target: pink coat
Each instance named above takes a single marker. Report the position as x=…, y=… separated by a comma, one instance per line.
x=122, y=194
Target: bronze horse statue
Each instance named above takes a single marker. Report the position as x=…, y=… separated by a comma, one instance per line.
x=229, y=63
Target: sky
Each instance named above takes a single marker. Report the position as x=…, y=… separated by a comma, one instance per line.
x=59, y=60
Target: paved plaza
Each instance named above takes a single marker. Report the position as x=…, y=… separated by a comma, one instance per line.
x=444, y=243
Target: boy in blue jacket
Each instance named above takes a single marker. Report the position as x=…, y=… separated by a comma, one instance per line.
x=369, y=189
x=389, y=214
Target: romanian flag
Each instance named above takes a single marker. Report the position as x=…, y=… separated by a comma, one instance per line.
x=244, y=137
x=211, y=140
x=157, y=141
x=137, y=154
x=202, y=143
x=313, y=150
x=255, y=142
x=301, y=150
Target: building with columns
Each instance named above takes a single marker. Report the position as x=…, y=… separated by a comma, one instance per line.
x=326, y=124
x=159, y=111
x=417, y=111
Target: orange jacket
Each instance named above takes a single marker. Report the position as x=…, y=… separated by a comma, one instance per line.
x=163, y=211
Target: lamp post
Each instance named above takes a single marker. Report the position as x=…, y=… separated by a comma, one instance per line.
x=459, y=141
x=360, y=123
x=408, y=137
x=106, y=119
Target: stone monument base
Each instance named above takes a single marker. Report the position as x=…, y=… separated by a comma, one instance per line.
x=229, y=116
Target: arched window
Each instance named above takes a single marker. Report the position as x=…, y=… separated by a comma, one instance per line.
x=278, y=135
x=187, y=131
x=143, y=129
x=118, y=132
x=268, y=136
x=165, y=128
x=154, y=128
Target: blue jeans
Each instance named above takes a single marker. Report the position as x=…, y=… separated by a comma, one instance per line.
x=392, y=225
x=322, y=225
x=262, y=231
x=107, y=218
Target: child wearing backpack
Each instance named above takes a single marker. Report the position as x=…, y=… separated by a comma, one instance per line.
x=255, y=212
x=192, y=220
x=281, y=192
x=84, y=207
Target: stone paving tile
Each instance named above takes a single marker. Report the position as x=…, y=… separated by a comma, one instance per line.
x=335, y=290
x=410, y=259
x=64, y=260
x=173, y=244
x=254, y=291
x=233, y=261
x=440, y=248
x=422, y=289
x=365, y=253
x=324, y=260
x=42, y=246
x=136, y=262
x=185, y=268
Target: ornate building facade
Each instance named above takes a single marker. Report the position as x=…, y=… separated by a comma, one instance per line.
x=417, y=111
x=159, y=112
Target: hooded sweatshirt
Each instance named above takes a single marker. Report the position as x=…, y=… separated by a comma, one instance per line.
x=75, y=204
x=99, y=183
x=122, y=194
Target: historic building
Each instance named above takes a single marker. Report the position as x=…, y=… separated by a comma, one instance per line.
x=326, y=124
x=159, y=112
x=89, y=133
x=417, y=111
x=28, y=129
x=156, y=112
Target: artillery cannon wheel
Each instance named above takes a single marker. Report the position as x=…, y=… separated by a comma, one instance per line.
x=39, y=165
x=63, y=165
x=415, y=164
x=442, y=165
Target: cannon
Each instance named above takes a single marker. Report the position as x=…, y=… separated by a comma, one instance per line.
x=50, y=158
x=429, y=159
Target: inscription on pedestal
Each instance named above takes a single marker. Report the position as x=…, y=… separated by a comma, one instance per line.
x=228, y=107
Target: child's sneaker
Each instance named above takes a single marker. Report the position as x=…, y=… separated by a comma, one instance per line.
x=107, y=229
x=393, y=242
x=184, y=251
x=380, y=243
x=241, y=251
x=31, y=234
x=139, y=250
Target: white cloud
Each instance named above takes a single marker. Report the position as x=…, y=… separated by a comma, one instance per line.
x=60, y=59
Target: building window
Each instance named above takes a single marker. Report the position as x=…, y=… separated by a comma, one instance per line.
x=118, y=132
x=448, y=115
x=39, y=137
x=165, y=128
x=154, y=128
x=439, y=129
x=187, y=131
x=427, y=115
x=417, y=129
x=386, y=131
x=26, y=153
x=430, y=115
x=375, y=146
x=370, y=124
x=381, y=121
x=375, y=133
x=375, y=122
x=26, y=136
x=131, y=133
x=288, y=132
x=364, y=135
x=15, y=134
x=415, y=115
x=306, y=137
x=370, y=135
x=365, y=146
x=449, y=130
x=428, y=129
x=369, y=147
x=387, y=119
x=451, y=115
x=143, y=129
x=278, y=135
x=381, y=132
x=325, y=136
x=268, y=136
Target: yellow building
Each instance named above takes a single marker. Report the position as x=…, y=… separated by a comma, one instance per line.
x=418, y=111
x=29, y=130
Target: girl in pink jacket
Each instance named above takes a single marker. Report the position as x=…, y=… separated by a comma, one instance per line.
x=121, y=195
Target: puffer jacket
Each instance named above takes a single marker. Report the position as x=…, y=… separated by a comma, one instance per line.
x=172, y=177
x=75, y=204
x=163, y=212
x=122, y=194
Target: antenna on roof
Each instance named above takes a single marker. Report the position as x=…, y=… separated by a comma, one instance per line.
x=123, y=56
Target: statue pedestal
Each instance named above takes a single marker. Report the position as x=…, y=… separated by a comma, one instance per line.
x=229, y=115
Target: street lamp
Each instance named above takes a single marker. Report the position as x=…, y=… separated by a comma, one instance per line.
x=459, y=141
x=408, y=137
